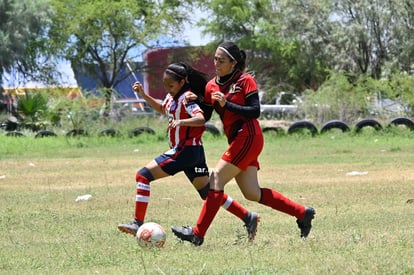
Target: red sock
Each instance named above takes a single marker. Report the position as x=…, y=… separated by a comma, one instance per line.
x=142, y=198
x=233, y=207
x=279, y=202
x=210, y=208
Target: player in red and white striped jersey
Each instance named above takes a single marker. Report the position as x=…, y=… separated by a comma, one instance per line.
x=186, y=124
x=176, y=108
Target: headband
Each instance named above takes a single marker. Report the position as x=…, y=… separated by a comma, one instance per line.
x=227, y=52
x=175, y=73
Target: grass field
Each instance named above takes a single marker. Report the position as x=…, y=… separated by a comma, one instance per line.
x=364, y=224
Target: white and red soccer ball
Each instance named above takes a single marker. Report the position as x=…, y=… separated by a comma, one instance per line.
x=151, y=234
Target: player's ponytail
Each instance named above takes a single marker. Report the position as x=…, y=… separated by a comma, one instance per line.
x=242, y=65
x=196, y=79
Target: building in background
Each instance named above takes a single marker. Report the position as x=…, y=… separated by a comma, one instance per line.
x=157, y=60
x=90, y=85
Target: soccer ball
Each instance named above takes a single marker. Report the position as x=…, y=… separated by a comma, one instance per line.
x=151, y=234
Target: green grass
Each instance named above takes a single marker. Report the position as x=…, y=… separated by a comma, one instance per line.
x=363, y=223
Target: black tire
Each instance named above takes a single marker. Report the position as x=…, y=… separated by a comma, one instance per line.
x=335, y=124
x=368, y=123
x=108, y=133
x=303, y=125
x=45, y=133
x=402, y=121
x=76, y=132
x=11, y=124
x=275, y=130
x=14, y=134
x=212, y=129
x=139, y=130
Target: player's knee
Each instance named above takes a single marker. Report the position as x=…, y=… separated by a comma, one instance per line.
x=252, y=196
x=146, y=173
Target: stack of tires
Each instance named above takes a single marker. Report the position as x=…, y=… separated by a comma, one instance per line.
x=308, y=126
x=296, y=127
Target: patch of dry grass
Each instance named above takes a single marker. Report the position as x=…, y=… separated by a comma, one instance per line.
x=363, y=223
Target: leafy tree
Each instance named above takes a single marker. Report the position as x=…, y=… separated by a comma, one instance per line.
x=298, y=42
x=359, y=36
x=100, y=36
x=350, y=97
x=369, y=41
x=281, y=61
x=374, y=33
x=22, y=39
x=342, y=96
x=399, y=87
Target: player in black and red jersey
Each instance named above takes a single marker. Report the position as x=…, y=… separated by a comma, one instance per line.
x=233, y=94
x=185, y=128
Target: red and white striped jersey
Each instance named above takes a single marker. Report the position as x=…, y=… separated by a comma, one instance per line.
x=177, y=109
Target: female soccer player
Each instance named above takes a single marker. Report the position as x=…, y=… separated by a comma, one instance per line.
x=185, y=128
x=233, y=94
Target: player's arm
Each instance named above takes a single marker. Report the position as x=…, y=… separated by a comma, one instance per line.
x=196, y=121
x=250, y=110
x=153, y=102
x=207, y=108
x=196, y=116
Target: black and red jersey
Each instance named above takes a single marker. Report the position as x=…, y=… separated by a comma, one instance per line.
x=236, y=90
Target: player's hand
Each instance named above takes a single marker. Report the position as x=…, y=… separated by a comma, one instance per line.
x=219, y=97
x=174, y=123
x=137, y=88
x=190, y=96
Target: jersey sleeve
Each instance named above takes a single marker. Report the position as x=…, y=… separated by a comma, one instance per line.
x=192, y=108
x=250, y=85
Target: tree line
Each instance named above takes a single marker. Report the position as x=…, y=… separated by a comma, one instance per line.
x=292, y=45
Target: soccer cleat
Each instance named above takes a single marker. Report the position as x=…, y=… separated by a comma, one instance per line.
x=305, y=224
x=186, y=233
x=251, y=224
x=130, y=228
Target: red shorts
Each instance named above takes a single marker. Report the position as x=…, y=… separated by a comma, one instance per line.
x=245, y=149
